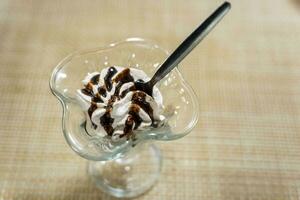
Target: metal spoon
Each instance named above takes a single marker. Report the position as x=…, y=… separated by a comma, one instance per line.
x=184, y=48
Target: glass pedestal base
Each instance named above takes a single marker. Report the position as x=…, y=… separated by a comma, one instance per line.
x=129, y=176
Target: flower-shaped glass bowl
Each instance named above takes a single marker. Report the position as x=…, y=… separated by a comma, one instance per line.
x=180, y=103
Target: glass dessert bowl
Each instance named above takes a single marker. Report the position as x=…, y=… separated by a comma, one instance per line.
x=130, y=167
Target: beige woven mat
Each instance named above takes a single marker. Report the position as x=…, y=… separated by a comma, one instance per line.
x=246, y=75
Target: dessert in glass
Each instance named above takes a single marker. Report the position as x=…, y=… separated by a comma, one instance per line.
x=110, y=123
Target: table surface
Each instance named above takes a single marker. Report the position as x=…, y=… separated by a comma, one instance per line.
x=246, y=74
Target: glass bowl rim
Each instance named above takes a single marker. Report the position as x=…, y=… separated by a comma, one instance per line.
x=134, y=40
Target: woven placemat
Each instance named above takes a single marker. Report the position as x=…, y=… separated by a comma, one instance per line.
x=246, y=74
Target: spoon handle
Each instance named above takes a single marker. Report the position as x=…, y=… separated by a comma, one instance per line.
x=190, y=43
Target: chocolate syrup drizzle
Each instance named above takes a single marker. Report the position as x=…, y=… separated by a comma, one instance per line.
x=107, y=79
x=138, y=100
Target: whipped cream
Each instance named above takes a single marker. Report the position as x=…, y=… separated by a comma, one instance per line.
x=113, y=105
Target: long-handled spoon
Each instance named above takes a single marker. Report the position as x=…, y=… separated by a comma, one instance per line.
x=184, y=48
